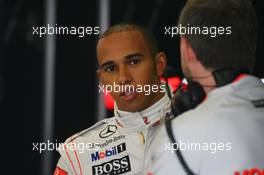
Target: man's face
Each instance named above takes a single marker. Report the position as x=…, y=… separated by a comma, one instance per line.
x=124, y=58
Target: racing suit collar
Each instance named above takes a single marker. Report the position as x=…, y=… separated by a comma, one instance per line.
x=145, y=118
x=244, y=82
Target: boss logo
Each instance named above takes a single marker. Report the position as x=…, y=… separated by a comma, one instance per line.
x=115, y=166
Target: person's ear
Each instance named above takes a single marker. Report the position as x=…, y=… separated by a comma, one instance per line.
x=161, y=63
x=99, y=75
x=187, y=52
x=98, y=72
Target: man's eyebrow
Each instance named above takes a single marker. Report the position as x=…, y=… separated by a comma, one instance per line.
x=106, y=63
x=128, y=57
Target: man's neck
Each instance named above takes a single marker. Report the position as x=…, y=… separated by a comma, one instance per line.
x=157, y=97
x=205, y=78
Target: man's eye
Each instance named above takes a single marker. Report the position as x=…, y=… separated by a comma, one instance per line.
x=110, y=69
x=134, y=61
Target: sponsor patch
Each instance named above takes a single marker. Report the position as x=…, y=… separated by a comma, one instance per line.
x=112, y=140
x=115, y=166
x=108, y=131
x=108, y=152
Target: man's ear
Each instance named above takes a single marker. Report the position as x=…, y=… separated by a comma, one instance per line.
x=99, y=73
x=161, y=63
x=187, y=52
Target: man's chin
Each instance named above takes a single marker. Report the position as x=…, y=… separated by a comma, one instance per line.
x=130, y=107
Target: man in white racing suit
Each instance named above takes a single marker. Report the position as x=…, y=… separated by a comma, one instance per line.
x=127, y=55
x=221, y=136
x=224, y=134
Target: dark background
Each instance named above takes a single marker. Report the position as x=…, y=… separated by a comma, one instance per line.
x=22, y=68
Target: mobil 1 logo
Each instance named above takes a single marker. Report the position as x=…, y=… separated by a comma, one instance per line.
x=109, y=152
x=115, y=166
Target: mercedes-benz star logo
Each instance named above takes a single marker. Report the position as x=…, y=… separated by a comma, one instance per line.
x=108, y=131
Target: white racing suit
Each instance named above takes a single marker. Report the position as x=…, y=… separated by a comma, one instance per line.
x=114, y=146
x=224, y=135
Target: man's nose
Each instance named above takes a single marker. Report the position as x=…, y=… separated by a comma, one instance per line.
x=124, y=76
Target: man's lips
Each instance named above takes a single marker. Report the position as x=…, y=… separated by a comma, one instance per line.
x=128, y=96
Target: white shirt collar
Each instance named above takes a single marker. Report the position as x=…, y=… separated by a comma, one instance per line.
x=145, y=118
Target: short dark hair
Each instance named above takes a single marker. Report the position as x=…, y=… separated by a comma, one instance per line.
x=147, y=34
x=236, y=50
